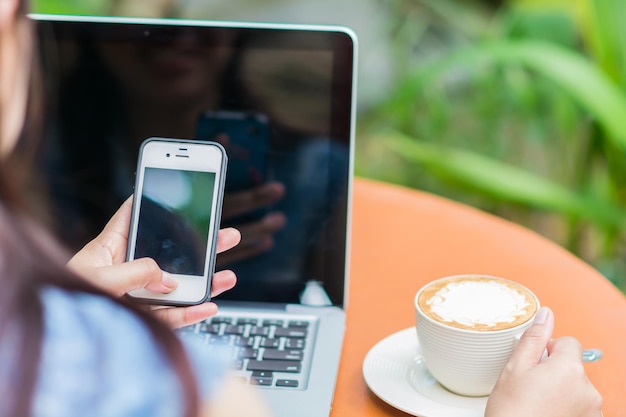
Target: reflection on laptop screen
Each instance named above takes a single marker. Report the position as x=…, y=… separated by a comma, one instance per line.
x=279, y=102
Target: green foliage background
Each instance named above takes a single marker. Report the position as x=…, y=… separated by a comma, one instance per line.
x=516, y=107
x=521, y=111
x=78, y=7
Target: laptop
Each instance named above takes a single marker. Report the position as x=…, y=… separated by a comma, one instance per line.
x=282, y=97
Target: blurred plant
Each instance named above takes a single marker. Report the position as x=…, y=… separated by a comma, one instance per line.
x=142, y=8
x=519, y=110
x=70, y=7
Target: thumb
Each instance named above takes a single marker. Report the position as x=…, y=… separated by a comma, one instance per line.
x=534, y=341
x=139, y=273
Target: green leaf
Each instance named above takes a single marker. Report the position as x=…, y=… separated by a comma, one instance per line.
x=502, y=181
x=572, y=72
x=69, y=7
x=576, y=75
x=550, y=25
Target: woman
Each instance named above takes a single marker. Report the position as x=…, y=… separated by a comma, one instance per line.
x=69, y=349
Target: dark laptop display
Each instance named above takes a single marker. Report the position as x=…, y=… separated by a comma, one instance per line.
x=281, y=101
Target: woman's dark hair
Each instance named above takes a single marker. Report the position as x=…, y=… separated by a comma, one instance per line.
x=30, y=260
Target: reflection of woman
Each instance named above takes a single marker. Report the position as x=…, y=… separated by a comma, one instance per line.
x=133, y=93
x=115, y=95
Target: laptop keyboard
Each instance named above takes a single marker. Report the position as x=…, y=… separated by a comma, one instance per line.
x=268, y=351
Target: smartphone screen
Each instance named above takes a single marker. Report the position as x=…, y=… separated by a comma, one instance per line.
x=174, y=219
x=176, y=215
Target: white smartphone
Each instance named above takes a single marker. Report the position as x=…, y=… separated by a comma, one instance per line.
x=177, y=205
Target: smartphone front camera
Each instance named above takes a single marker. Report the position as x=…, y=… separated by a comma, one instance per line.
x=167, y=155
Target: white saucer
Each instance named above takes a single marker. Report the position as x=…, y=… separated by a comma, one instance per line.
x=394, y=370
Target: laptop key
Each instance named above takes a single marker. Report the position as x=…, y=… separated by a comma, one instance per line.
x=244, y=341
x=218, y=320
x=293, y=383
x=294, y=343
x=290, y=332
x=273, y=365
x=273, y=322
x=247, y=353
x=245, y=320
x=259, y=331
x=210, y=328
x=270, y=343
x=261, y=381
x=234, y=329
x=298, y=323
x=263, y=374
x=283, y=355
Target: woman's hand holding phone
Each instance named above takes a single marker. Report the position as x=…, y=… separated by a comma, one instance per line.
x=102, y=262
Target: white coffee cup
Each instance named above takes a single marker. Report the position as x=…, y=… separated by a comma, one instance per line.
x=468, y=326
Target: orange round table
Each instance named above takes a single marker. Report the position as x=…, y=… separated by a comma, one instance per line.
x=403, y=238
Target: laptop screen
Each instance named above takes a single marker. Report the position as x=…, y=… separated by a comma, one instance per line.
x=278, y=98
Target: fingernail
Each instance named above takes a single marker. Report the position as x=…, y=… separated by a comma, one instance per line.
x=542, y=315
x=234, y=233
x=169, y=281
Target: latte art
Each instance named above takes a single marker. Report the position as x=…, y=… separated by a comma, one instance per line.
x=478, y=303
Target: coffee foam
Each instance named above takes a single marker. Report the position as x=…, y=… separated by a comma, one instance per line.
x=477, y=303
